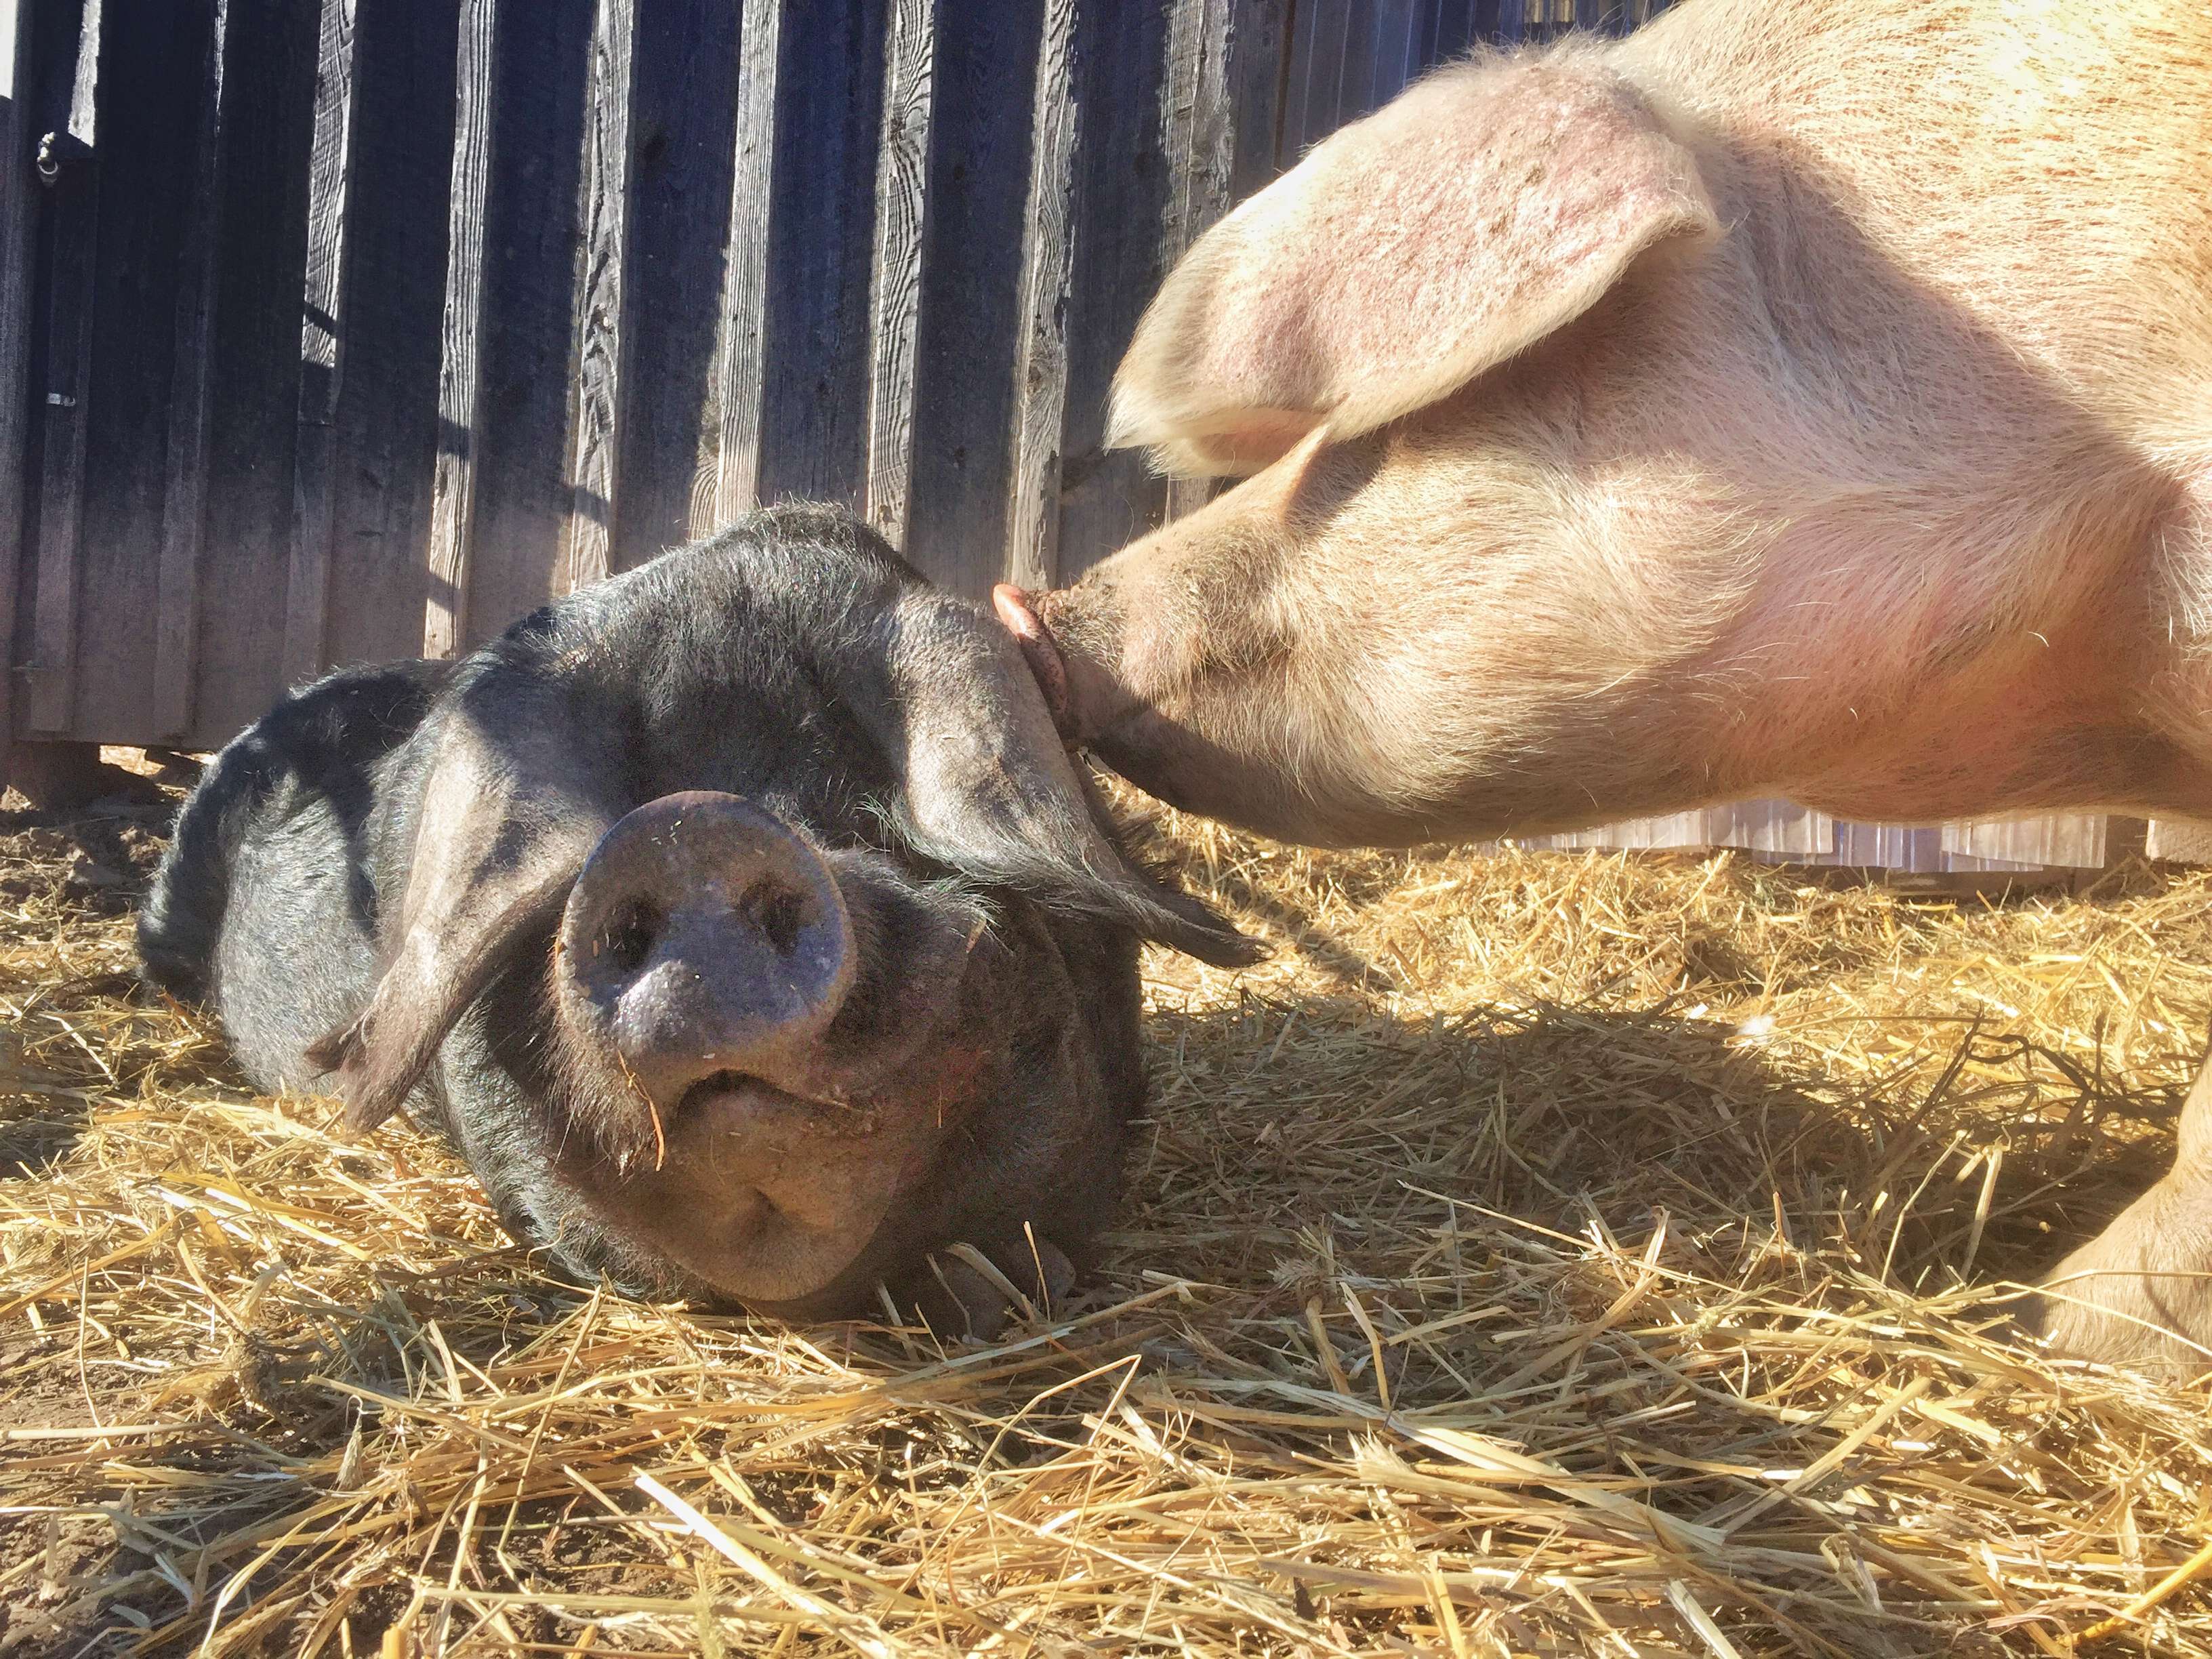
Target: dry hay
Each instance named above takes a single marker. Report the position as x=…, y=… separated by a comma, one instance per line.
x=1543, y=1254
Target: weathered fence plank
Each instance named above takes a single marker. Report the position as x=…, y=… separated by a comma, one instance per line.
x=460, y=373
x=1122, y=183
x=596, y=376
x=821, y=232
x=386, y=433
x=322, y=345
x=68, y=154
x=895, y=297
x=524, y=496
x=740, y=382
x=269, y=92
x=18, y=251
x=183, y=499
x=975, y=312
x=683, y=115
x=1041, y=355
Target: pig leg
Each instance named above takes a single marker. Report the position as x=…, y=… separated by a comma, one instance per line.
x=2140, y=1293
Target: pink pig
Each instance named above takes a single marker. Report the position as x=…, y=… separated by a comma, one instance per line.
x=1798, y=397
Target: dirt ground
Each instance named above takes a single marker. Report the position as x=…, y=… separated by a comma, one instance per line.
x=1540, y=1254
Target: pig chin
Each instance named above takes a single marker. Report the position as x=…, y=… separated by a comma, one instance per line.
x=758, y=1197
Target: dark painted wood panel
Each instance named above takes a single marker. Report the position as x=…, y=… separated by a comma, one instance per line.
x=183, y=502
x=895, y=284
x=684, y=121
x=322, y=339
x=67, y=159
x=728, y=481
x=523, y=493
x=821, y=232
x=966, y=400
x=1122, y=185
x=596, y=363
x=18, y=268
x=1040, y=391
x=385, y=423
x=269, y=76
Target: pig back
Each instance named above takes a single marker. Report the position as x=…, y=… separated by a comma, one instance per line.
x=265, y=905
x=2035, y=171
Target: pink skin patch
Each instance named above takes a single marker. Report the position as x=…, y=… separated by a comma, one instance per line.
x=1019, y=614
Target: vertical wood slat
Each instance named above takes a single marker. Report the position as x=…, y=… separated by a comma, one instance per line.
x=184, y=496
x=983, y=91
x=741, y=381
x=322, y=345
x=17, y=248
x=385, y=430
x=594, y=440
x=895, y=298
x=1199, y=135
x=524, y=496
x=814, y=404
x=461, y=366
x=50, y=675
x=683, y=99
x=1048, y=256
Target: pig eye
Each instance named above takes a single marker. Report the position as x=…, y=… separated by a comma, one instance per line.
x=628, y=937
x=778, y=912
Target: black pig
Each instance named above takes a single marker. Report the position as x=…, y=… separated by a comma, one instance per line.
x=740, y=918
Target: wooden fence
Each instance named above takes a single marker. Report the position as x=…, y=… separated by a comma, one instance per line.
x=341, y=330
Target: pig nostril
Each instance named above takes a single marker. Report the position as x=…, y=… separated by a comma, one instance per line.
x=627, y=939
x=778, y=912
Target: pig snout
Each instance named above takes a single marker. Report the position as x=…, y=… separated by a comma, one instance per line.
x=704, y=937
x=1018, y=611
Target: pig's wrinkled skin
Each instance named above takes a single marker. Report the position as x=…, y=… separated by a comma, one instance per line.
x=740, y=920
x=1798, y=397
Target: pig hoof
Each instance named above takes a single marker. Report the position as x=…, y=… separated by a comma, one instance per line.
x=2139, y=1294
x=977, y=1294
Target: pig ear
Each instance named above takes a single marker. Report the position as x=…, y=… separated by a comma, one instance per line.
x=510, y=809
x=988, y=788
x=1486, y=207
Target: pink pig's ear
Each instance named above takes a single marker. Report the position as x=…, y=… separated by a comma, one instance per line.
x=1486, y=207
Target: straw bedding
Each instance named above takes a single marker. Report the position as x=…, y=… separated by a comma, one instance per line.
x=1541, y=1254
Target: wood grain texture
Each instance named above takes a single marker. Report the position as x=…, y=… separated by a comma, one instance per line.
x=64, y=408
x=533, y=246
x=18, y=249
x=894, y=294
x=149, y=377
x=268, y=104
x=1197, y=133
x=183, y=499
x=740, y=376
x=1107, y=498
x=814, y=402
x=322, y=344
x=385, y=436
x=683, y=93
x=1041, y=353
x=460, y=363
x=973, y=310
x=1257, y=68
x=594, y=439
